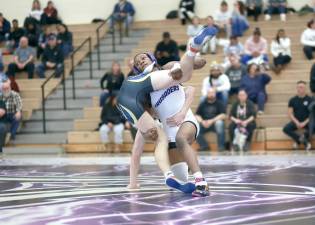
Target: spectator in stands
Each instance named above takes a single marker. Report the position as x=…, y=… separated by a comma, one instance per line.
x=234, y=48
x=281, y=50
x=5, y=28
x=239, y=23
x=299, y=114
x=242, y=116
x=166, y=50
x=15, y=36
x=211, y=44
x=3, y=124
x=14, y=106
x=219, y=81
x=123, y=12
x=23, y=59
x=254, y=83
x=111, y=82
x=43, y=41
x=235, y=73
x=194, y=28
x=52, y=58
x=186, y=10
x=64, y=38
x=276, y=7
x=256, y=49
x=112, y=121
x=254, y=8
x=36, y=11
x=211, y=115
x=222, y=19
x=32, y=33
x=1, y=62
x=50, y=15
x=308, y=40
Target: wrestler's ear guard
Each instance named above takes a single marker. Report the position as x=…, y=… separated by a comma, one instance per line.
x=136, y=70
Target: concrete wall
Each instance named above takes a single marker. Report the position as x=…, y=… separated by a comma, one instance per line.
x=83, y=11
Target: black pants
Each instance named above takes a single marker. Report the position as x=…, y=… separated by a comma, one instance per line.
x=282, y=60
x=29, y=68
x=308, y=51
x=290, y=130
x=250, y=129
x=254, y=12
x=3, y=133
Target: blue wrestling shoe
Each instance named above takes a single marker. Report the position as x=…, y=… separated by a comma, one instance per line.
x=202, y=189
x=202, y=37
x=187, y=188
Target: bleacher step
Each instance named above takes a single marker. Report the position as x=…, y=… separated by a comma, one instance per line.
x=40, y=138
x=32, y=150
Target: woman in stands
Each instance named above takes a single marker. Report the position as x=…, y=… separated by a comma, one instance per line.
x=281, y=51
x=134, y=94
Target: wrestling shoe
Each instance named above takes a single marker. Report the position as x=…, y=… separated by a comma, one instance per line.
x=202, y=37
x=202, y=189
x=187, y=188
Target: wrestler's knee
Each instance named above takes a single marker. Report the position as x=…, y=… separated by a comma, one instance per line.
x=152, y=134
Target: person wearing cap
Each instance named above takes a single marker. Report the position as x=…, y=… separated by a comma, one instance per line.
x=23, y=59
x=219, y=81
x=52, y=58
x=235, y=72
x=166, y=50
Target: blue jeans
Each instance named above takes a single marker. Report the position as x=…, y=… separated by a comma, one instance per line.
x=117, y=18
x=103, y=98
x=14, y=124
x=219, y=129
x=42, y=68
x=260, y=99
x=276, y=10
x=66, y=49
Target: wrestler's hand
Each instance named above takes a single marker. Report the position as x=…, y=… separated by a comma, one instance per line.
x=176, y=120
x=199, y=63
x=133, y=186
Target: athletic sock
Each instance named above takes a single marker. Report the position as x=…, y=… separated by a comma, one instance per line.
x=198, y=175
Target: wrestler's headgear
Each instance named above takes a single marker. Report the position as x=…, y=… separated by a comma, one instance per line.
x=151, y=57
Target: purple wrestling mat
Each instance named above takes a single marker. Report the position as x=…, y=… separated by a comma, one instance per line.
x=251, y=192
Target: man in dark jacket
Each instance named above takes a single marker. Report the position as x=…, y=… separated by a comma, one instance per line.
x=15, y=35
x=123, y=11
x=166, y=50
x=52, y=58
x=5, y=28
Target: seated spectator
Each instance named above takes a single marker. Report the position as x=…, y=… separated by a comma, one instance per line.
x=194, y=28
x=123, y=12
x=211, y=44
x=52, y=58
x=1, y=62
x=254, y=8
x=64, y=38
x=15, y=36
x=308, y=40
x=14, y=106
x=254, y=83
x=34, y=15
x=211, y=115
x=166, y=50
x=276, y=7
x=23, y=59
x=256, y=49
x=219, y=81
x=186, y=10
x=234, y=48
x=112, y=121
x=32, y=33
x=5, y=28
x=43, y=41
x=281, y=50
x=111, y=83
x=312, y=79
x=242, y=116
x=50, y=15
x=222, y=19
x=239, y=23
x=299, y=116
x=3, y=124
x=235, y=74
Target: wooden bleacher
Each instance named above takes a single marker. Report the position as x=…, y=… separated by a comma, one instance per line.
x=269, y=136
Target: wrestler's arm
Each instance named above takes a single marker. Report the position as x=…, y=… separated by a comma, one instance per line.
x=136, y=153
x=179, y=117
x=198, y=64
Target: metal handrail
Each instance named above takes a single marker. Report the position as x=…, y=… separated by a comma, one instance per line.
x=88, y=40
x=44, y=98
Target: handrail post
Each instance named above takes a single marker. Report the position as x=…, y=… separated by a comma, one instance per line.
x=113, y=40
x=73, y=80
x=64, y=89
x=44, y=109
x=98, y=48
x=90, y=58
x=120, y=32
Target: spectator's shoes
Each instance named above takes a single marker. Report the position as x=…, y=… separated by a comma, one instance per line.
x=202, y=189
x=187, y=188
x=202, y=37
